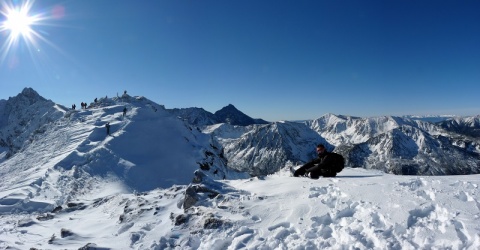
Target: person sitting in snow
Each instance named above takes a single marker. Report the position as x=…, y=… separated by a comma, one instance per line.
x=321, y=166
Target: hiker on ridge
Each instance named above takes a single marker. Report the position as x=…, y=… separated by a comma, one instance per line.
x=108, y=128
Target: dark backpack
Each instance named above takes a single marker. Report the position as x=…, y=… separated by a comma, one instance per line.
x=338, y=162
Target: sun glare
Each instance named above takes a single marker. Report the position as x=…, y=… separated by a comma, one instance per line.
x=17, y=24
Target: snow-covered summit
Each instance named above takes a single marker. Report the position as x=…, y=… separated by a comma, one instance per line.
x=22, y=117
x=158, y=182
x=70, y=150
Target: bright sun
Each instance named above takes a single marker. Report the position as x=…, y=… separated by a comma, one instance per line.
x=18, y=23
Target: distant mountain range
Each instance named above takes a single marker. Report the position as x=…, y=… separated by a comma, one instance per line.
x=391, y=144
x=400, y=145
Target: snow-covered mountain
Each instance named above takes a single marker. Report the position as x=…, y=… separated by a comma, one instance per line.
x=430, y=118
x=391, y=144
x=23, y=117
x=159, y=182
x=396, y=145
x=402, y=146
x=265, y=149
x=468, y=126
x=228, y=114
x=148, y=148
x=195, y=116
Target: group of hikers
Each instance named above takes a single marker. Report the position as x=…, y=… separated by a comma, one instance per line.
x=82, y=104
x=327, y=164
x=107, y=125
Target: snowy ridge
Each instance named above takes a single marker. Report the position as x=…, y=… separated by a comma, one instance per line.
x=148, y=148
x=469, y=126
x=158, y=182
x=430, y=118
x=353, y=130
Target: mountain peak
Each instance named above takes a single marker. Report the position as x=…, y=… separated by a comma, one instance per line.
x=30, y=94
x=228, y=114
x=27, y=96
x=29, y=91
x=231, y=115
x=230, y=107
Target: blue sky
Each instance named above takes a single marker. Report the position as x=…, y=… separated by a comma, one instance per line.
x=276, y=60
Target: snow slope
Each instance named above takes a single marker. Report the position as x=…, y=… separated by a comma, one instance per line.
x=360, y=209
x=147, y=149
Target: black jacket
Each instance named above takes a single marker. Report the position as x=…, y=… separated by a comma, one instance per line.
x=323, y=162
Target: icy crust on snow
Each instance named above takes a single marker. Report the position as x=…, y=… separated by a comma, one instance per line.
x=360, y=209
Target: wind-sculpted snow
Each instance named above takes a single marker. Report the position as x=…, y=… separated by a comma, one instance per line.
x=146, y=149
x=360, y=209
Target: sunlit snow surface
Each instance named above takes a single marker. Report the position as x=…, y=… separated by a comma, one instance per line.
x=74, y=186
x=359, y=209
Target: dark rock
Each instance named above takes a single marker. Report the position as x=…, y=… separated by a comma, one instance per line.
x=65, y=233
x=45, y=217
